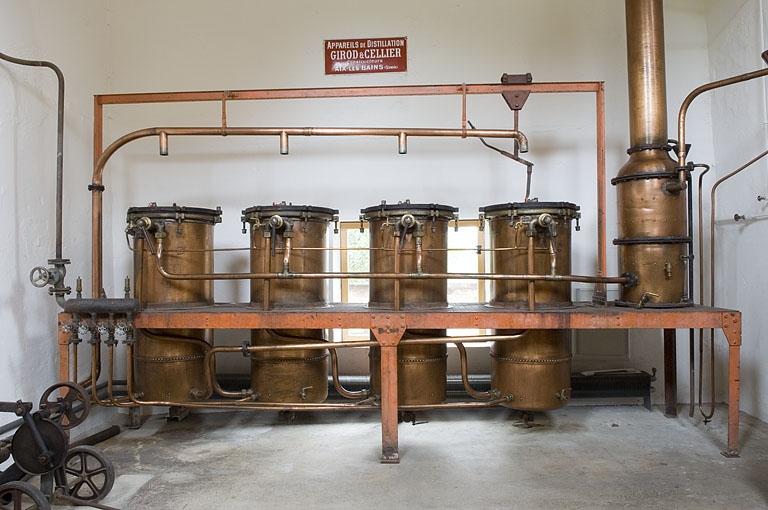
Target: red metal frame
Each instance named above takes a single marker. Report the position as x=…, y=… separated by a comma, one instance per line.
x=389, y=326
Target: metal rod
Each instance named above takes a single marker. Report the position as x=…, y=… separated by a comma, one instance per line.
x=59, y=142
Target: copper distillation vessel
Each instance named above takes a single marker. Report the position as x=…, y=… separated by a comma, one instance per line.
x=411, y=239
x=169, y=363
x=531, y=238
x=289, y=238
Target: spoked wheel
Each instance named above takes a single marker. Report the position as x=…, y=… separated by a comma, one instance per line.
x=22, y=496
x=90, y=473
x=62, y=399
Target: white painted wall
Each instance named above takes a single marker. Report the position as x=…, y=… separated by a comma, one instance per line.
x=71, y=35
x=739, y=118
x=173, y=45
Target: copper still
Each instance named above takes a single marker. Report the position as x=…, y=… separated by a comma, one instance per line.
x=411, y=238
x=652, y=221
x=169, y=363
x=531, y=238
x=289, y=238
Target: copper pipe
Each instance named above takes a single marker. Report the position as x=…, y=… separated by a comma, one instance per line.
x=265, y=288
x=396, y=282
x=339, y=92
x=458, y=405
x=337, y=384
x=97, y=186
x=712, y=193
x=308, y=131
x=602, y=268
x=94, y=378
x=121, y=402
x=59, y=146
x=681, y=154
x=75, y=361
x=385, y=276
x=480, y=395
x=418, y=90
x=531, y=270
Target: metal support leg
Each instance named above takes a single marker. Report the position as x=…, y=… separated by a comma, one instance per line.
x=732, y=331
x=670, y=373
x=388, y=330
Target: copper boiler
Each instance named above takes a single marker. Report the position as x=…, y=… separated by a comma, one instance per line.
x=536, y=369
x=411, y=238
x=287, y=239
x=652, y=221
x=169, y=363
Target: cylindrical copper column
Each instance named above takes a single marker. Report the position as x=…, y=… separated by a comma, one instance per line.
x=411, y=238
x=536, y=369
x=169, y=363
x=289, y=239
x=653, y=241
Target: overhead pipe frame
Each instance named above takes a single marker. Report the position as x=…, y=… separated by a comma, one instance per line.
x=101, y=155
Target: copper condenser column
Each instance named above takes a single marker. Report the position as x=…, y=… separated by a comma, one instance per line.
x=411, y=238
x=289, y=239
x=653, y=242
x=169, y=363
x=536, y=369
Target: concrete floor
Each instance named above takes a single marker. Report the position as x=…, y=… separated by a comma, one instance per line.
x=579, y=457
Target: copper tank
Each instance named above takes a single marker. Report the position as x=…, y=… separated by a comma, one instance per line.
x=652, y=220
x=411, y=238
x=536, y=369
x=169, y=363
x=289, y=238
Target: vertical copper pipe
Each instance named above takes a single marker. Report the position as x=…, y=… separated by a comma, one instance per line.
x=265, y=287
x=647, y=72
x=396, y=282
x=531, y=270
x=96, y=201
x=601, y=200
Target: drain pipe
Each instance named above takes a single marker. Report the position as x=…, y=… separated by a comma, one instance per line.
x=41, y=276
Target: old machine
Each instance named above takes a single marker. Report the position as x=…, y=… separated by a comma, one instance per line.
x=166, y=329
x=40, y=447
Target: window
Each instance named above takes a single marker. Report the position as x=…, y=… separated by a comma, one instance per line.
x=464, y=256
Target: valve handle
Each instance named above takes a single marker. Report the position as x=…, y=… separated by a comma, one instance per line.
x=40, y=277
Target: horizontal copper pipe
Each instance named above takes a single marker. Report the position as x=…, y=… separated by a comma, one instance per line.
x=98, y=171
x=456, y=405
x=331, y=92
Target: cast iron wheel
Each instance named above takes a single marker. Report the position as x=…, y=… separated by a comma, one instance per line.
x=62, y=406
x=90, y=473
x=22, y=496
x=28, y=455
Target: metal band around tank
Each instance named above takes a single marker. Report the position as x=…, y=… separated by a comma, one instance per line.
x=256, y=213
x=514, y=209
x=385, y=210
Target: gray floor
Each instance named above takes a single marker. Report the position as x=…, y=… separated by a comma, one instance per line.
x=579, y=457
